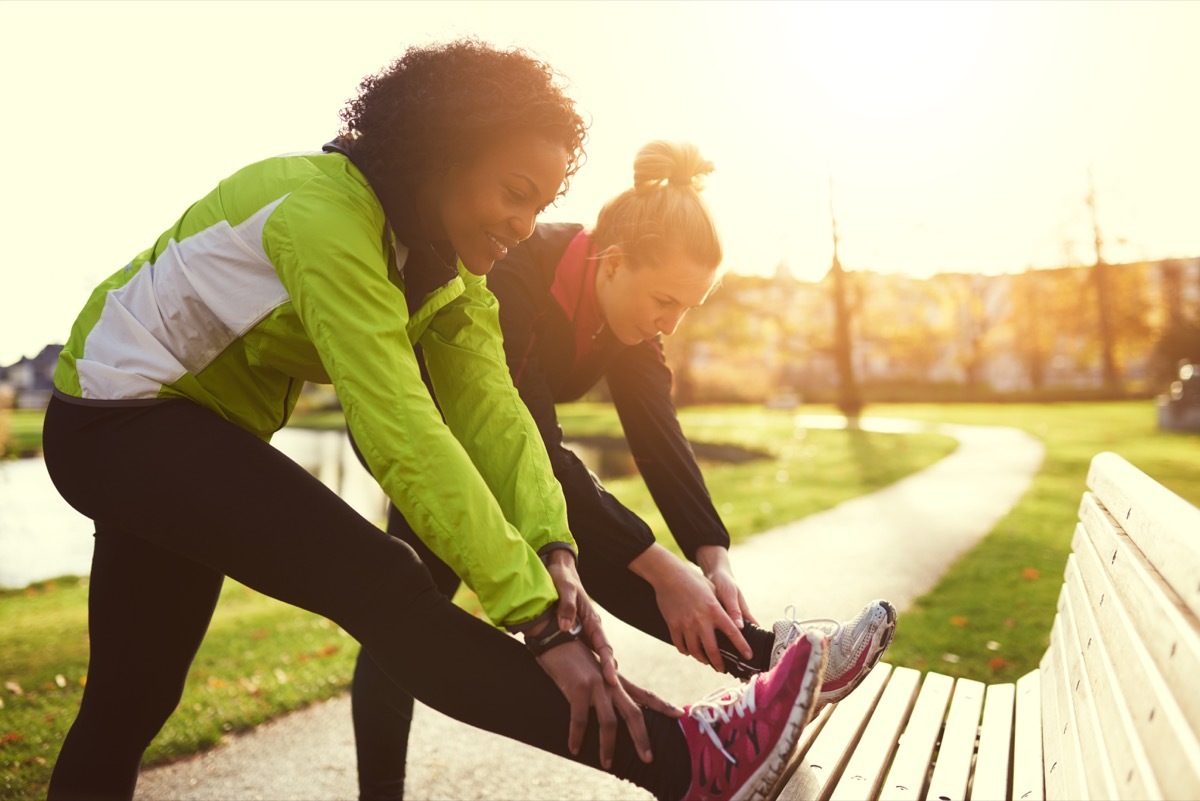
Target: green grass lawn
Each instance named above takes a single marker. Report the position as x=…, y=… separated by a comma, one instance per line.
x=24, y=432
x=989, y=617
x=262, y=658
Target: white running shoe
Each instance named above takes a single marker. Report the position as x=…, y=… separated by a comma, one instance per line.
x=855, y=646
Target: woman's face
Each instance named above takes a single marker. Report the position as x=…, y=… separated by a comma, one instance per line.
x=486, y=206
x=639, y=302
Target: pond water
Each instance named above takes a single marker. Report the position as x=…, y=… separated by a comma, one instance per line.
x=42, y=537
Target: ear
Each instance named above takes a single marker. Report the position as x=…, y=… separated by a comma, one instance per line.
x=611, y=260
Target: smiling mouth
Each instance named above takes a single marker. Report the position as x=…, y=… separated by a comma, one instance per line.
x=498, y=246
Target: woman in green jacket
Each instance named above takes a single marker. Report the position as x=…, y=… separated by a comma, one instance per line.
x=332, y=267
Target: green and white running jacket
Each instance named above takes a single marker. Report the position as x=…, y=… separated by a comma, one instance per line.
x=288, y=272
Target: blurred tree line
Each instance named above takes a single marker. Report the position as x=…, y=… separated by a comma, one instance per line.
x=1106, y=331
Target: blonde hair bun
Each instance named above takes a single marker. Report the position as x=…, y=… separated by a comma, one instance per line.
x=676, y=164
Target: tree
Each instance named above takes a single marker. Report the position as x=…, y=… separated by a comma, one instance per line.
x=975, y=302
x=1101, y=285
x=849, y=398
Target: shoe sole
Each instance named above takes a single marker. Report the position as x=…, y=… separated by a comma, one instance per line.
x=876, y=653
x=762, y=784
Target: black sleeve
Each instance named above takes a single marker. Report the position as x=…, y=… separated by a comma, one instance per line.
x=640, y=382
x=599, y=523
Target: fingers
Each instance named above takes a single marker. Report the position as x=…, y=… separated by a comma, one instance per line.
x=635, y=721
x=579, y=720
x=712, y=650
x=696, y=644
x=594, y=637
x=568, y=605
x=606, y=720
x=734, y=633
x=731, y=601
x=734, y=603
x=650, y=700
x=745, y=608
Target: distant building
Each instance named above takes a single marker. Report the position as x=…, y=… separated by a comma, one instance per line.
x=31, y=381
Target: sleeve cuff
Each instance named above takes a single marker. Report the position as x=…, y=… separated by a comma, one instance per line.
x=545, y=551
x=550, y=616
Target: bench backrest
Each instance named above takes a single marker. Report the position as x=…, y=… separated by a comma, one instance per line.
x=1120, y=682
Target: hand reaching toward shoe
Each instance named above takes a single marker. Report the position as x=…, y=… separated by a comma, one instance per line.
x=576, y=671
x=695, y=606
x=586, y=670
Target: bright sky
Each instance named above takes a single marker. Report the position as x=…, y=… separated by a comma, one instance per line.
x=959, y=135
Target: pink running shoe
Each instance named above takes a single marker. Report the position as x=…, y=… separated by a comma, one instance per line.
x=741, y=738
x=855, y=646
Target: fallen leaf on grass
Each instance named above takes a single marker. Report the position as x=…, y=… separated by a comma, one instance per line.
x=958, y=620
x=997, y=662
x=1031, y=574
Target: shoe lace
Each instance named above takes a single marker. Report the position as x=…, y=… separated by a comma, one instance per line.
x=722, y=706
x=790, y=612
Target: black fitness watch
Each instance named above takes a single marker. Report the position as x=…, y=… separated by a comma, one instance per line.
x=541, y=644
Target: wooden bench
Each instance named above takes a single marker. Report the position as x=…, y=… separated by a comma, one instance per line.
x=1113, y=710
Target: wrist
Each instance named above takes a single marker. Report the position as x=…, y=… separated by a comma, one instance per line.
x=655, y=564
x=557, y=554
x=550, y=636
x=712, y=558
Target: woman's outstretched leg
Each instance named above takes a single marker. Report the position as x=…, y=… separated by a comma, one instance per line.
x=180, y=478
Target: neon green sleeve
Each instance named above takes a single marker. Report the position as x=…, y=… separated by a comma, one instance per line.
x=328, y=247
x=464, y=354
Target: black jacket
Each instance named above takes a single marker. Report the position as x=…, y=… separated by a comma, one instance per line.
x=542, y=299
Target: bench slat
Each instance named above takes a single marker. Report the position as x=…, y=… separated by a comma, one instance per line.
x=1099, y=773
x=864, y=772
x=1169, y=742
x=995, y=743
x=910, y=768
x=822, y=763
x=1052, y=745
x=797, y=781
x=1169, y=630
x=1070, y=783
x=953, y=767
x=1131, y=768
x=1165, y=527
x=1028, y=782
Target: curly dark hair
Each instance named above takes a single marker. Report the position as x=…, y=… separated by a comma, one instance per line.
x=443, y=103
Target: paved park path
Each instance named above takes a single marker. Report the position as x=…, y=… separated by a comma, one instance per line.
x=894, y=543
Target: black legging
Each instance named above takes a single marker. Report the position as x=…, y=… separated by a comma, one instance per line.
x=182, y=498
x=382, y=710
